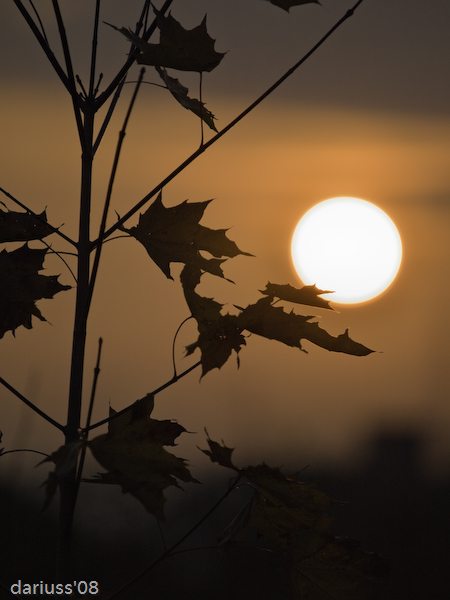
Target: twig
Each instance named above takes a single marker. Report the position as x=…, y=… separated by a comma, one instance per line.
x=89, y=415
x=122, y=134
x=31, y=405
x=160, y=389
x=226, y=129
x=170, y=550
x=201, y=108
x=40, y=22
x=24, y=450
x=72, y=86
x=39, y=218
x=94, y=49
x=108, y=116
x=83, y=90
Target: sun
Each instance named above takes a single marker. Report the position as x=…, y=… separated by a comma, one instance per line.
x=349, y=246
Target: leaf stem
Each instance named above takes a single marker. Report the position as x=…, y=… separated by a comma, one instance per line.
x=31, y=405
x=226, y=129
x=173, y=346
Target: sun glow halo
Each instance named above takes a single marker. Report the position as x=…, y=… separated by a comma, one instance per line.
x=347, y=245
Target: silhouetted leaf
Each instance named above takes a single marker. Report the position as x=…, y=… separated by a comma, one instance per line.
x=133, y=453
x=180, y=93
x=21, y=286
x=274, y=323
x=175, y=235
x=287, y=4
x=219, y=454
x=219, y=334
x=308, y=294
x=290, y=520
x=285, y=504
x=178, y=48
x=23, y=226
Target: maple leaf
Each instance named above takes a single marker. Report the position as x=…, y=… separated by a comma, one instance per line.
x=178, y=48
x=287, y=4
x=308, y=294
x=219, y=334
x=175, y=235
x=133, y=453
x=274, y=323
x=219, y=453
x=23, y=226
x=291, y=516
x=180, y=93
x=21, y=286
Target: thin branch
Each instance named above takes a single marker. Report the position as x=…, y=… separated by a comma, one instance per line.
x=160, y=389
x=38, y=217
x=72, y=85
x=201, y=108
x=94, y=49
x=40, y=22
x=108, y=116
x=226, y=129
x=122, y=134
x=89, y=415
x=100, y=77
x=31, y=405
x=25, y=450
x=170, y=550
x=131, y=58
x=80, y=83
x=44, y=44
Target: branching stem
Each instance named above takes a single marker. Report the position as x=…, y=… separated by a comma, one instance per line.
x=226, y=129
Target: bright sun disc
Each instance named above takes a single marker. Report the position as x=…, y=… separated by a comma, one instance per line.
x=347, y=245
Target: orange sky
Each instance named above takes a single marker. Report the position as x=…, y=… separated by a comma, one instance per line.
x=290, y=154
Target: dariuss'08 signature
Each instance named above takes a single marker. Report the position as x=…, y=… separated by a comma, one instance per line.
x=54, y=589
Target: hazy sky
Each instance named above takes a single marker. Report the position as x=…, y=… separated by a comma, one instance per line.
x=368, y=115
